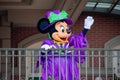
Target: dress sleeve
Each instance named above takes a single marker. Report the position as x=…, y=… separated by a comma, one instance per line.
x=78, y=41
x=41, y=59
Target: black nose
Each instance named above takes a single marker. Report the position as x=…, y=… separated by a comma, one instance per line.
x=68, y=31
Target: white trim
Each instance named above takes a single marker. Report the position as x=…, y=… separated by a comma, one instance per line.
x=112, y=43
x=67, y=45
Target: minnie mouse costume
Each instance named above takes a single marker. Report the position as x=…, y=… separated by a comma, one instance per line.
x=56, y=24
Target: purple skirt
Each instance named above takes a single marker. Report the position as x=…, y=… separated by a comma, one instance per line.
x=63, y=68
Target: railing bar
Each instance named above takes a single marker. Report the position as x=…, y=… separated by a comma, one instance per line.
x=66, y=65
x=12, y=64
x=57, y=55
x=112, y=66
x=87, y=49
x=39, y=59
x=118, y=65
x=86, y=67
x=92, y=65
x=106, y=65
x=34, y=62
x=13, y=56
x=52, y=65
x=59, y=66
x=72, y=65
x=46, y=65
x=99, y=64
x=19, y=65
x=26, y=67
x=32, y=65
x=6, y=64
x=119, y=62
x=0, y=63
x=79, y=65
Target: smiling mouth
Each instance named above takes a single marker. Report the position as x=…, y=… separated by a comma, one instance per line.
x=64, y=39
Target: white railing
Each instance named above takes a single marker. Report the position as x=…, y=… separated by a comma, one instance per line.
x=20, y=63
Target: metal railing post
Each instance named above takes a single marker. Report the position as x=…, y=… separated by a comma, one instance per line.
x=106, y=65
x=103, y=71
x=6, y=52
x=112, y=66
x=92, y=65
x=13, y=64
x=53, y=64
x=33, y=65
x=79, y=65
x=46, y=56
x=73, y=64
x=26, y=66
x=99, y=63
x=19, y=52
x=39, y=59
x=66, y=64
x=59, y=66
x=86, y=68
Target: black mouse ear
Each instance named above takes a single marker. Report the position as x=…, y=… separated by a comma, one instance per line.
x=42, y=24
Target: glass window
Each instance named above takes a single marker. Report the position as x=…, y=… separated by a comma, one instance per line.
x=109, y=6
x=90, y=4
x=117, y=7
x=103, y=5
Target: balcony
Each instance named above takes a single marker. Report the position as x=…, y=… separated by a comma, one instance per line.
x=20, y=63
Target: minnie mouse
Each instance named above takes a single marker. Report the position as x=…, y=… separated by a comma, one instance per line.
x=56, y=24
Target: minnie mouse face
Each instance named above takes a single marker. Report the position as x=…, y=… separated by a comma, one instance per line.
x=63, y=32
x=56, y=24
x=59, y=32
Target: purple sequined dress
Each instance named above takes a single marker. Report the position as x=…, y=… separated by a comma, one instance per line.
x=63, y=67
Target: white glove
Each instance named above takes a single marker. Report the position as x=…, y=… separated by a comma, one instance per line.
x=46, y=47
x=88, y=22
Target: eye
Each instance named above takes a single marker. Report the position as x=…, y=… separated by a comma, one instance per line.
x=68, y=30
x=62, y=28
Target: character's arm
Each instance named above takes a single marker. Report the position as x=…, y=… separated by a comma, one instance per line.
x=87, y=24
x=41, y=57
x=42, y=53
x=80, y=41
x=46, y=47
x=84, y=31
